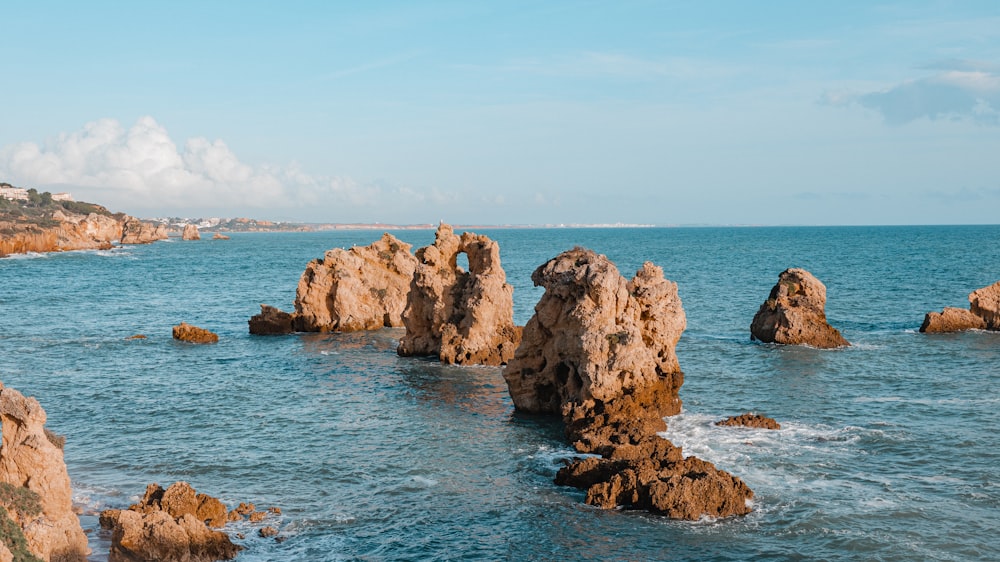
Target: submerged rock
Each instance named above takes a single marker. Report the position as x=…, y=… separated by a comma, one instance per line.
x=794, y=313
x=983, y=313
x=169, y=525
x=750, y=419
x=462, y=317
x=32, y=469
x=271, y=321
x=363, y=288
x=193, y=334
x=190, y=232
x=600, y=351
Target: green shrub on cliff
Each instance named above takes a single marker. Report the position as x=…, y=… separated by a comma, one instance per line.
x=25, y=504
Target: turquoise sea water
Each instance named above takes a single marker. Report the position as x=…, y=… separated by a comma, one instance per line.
x=890, y=449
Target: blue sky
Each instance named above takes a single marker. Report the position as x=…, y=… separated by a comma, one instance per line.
x=511, y=112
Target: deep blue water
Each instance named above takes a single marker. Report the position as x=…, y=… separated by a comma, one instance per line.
x=890, y=449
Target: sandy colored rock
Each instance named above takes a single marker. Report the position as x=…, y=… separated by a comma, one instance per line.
x=750, y=419
x=951, y=320
x=190, y=232
x=193, y=334
x=461, y=317
x=268, y=532
x=985, y=303
x=363, y=288
x=135, y=231
x=73, y=232
x=157, y=535
x=219, y=236
x=795, y=313
x=29, y=459
x=271, y=321
x=597, y=336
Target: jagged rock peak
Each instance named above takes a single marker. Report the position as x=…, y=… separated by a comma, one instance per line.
x=795, y=313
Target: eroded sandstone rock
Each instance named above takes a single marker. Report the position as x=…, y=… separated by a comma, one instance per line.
x=985, y=303
x=219, y=236
x=135, y=231
x=462, y=317
x=363, y=288
x=951, y=320
x=750, y=419
x=193, y=334
x=600, y=351
x=271, y=321
x=29, y=459
x=190, y=232
x=795, y=313
x=169, y=525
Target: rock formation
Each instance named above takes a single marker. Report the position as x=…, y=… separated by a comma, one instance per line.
x=219, y=236
x=600, y=351
x=750, y=419
x=135, y=231
x=190, y=232
x=73, y=232
x=271, y=321
x=462, y=317
x=794, y=313
x=363, y=288
x=31, y=464
x=193, y=334
x=983, y=313
x=170, y=525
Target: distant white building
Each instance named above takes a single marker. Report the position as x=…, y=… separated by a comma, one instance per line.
x=14, y=193
x=62, y=196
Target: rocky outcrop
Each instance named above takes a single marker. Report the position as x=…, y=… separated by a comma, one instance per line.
x=983, y=313
x=271, y=321
x=597, y=336
x=194, y=334
x=750, y=419
x=71, y=232
x=462, y=317
x=363, y=288
x=31, y=464
x=170, y=525
x=951, y=320
x=135, y=231
x=600, y=351
x=219, y=236
x=190, y=232
x=795, y=313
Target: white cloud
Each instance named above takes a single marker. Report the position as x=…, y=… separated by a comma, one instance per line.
x=959, y=90
x=142, y=168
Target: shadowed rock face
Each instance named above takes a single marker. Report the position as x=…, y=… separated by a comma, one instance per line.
x=271, y=321
x=363, y=288
x=28, y=458
x=135, y=231
x=461, y=317
x=190, y=232
x=795, y=313
x=983, y=314
x=600, y=351
x=597, y=336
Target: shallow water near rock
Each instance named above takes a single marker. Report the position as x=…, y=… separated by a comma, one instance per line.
x=889, y=449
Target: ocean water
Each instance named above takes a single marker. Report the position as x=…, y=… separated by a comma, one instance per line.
x=889, y=449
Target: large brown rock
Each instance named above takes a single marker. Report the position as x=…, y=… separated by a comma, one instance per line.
x=750, y=419
x=135, y=231
x=193, y=334
x=271, y=321
x=597, y=336
x=30, y=459
x=985, y=303
x=462, y=317
x=138, y=537
x=190, y=232
x=951, y=320
x=363, y=288
x=795, y=313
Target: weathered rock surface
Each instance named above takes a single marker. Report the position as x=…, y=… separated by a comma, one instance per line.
x=462, y=317
x=135, y=231
x=597, y=336
x=73, y=232
x=985, y=303
x=363, y=288
x=271, y=321
x=169, y=525
x=190, y=232
x=951, y=320
x=600, y=351
x=983, y=313
x=219, y=236
x=795, y=313
x=750, y=419
x=30, y=459
x=193, y=334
